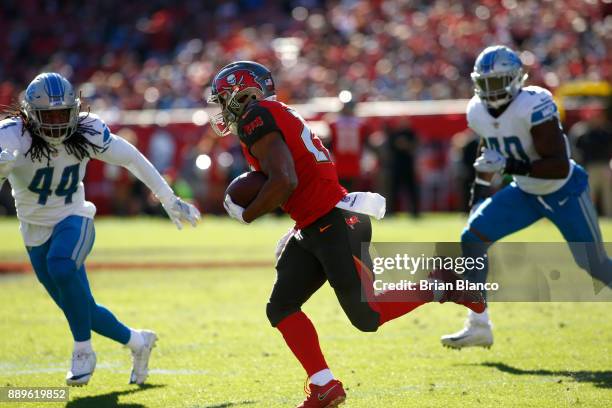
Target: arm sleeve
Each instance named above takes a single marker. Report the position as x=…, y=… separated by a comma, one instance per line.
x=9, y=141
x=120, y=152
x=257, y=123
x=544, y=110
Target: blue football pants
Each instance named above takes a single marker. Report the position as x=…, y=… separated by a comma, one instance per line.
x=570, y=209
x=59, y=266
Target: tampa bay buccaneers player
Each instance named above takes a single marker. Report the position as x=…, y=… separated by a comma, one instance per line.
x=331, y=226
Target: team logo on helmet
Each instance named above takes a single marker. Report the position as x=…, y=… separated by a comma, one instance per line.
x=234, y=87
x=237, y=81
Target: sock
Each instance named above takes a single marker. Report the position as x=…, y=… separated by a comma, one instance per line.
x=83, y=346
x=479, y=318
x=301, y=337
x=322, y=377
x=106, y=324
x=136, y=341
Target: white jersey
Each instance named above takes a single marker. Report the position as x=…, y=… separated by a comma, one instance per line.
x=46, y=192
x=510, y=133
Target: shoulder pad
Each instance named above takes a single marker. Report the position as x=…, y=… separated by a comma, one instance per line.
x=94, y=128
x=538, y=105
x=474, y=106
x=255, y=123
x=10, y=134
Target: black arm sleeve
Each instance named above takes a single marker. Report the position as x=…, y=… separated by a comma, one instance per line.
x=515, y=166
x=478, y=193
x=255, y=124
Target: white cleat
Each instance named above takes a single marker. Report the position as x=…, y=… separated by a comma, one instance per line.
x=474, y=334
x=140, y=358
x=82, y=368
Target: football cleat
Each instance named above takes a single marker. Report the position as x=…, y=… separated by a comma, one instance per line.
x=472, y=299
x=82, y=368
x=324, y=396
x=474, y=334
x=140, y=358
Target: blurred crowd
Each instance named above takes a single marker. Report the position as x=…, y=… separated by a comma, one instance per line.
x=162, y=53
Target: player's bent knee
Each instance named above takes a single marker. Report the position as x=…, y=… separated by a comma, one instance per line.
x=61, y=269
x=276, y=313
x=365, y=324
x=364, y=318
x=468, y=236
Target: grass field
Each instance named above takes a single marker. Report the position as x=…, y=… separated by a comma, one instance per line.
x=216, y=349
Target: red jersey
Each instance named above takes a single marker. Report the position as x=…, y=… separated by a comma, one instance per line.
x=318, y=189
x=347, y=139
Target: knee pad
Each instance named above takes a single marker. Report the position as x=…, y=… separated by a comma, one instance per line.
x=276, y=313
x=61, y=269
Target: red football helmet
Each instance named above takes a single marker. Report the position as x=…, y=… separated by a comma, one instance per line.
x=236, y=86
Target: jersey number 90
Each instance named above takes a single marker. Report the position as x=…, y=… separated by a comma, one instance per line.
x=512, y=147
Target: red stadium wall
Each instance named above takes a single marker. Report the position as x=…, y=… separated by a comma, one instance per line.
x=431, y=128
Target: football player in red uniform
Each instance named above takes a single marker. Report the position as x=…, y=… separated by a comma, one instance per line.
x=348, y=135
x=326, y=242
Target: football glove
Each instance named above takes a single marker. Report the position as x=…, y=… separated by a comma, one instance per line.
x=233, y=209
x=490, y=161
x=7, y=161
x=180, y=211
x=480, y=191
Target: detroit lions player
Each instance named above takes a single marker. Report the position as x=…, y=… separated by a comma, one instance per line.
x=45, y=145
x=521, y=135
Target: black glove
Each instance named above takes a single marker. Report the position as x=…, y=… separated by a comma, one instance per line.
x=515, y=166
x=480, y=190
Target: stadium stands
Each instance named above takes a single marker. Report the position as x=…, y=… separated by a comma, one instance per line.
x=161, y=54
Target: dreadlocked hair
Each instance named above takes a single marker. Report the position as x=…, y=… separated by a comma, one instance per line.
x=77, y=144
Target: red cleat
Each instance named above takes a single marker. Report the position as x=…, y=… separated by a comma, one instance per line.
x=324, y=396
x=472, y=299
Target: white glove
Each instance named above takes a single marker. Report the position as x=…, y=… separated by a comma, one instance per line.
x=490, y=161
x=233, y=209
x=179, y=211
x=280, y=247
x=7, y=161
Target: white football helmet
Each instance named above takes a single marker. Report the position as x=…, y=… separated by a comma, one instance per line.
x=498, y=76
x=51, y=107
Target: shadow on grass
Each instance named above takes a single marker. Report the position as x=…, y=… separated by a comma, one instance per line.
x=230, y=404
x=110, y=399
x=601, y=379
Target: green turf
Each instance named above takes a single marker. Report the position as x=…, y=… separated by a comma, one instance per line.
x=216, y=348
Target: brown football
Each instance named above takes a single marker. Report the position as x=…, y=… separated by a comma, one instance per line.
x=244, y=188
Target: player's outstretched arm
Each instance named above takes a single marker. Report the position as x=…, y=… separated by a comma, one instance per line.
x=7, y=161
x=121, y=153
x=276, y=162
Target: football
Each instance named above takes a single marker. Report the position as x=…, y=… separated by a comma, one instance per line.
x=244, y=188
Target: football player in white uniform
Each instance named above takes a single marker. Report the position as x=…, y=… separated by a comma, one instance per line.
x=521, y=136
x=45, y=145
